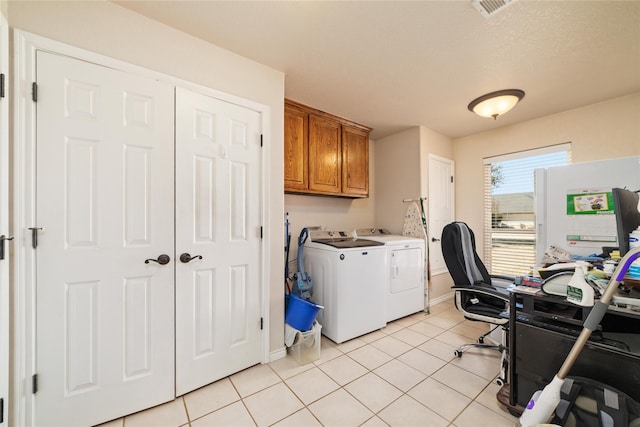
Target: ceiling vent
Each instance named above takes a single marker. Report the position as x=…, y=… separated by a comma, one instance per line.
x=489, y=8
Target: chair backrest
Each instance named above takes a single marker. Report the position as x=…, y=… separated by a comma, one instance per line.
x=459, y=251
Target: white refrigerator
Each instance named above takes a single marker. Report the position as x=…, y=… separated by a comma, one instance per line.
x=573, y=204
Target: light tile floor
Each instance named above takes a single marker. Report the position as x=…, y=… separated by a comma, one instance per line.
x=403, y=375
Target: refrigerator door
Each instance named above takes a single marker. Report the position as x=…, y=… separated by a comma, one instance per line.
x=580, y=232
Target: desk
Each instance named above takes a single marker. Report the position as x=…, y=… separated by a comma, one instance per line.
x=542, y=330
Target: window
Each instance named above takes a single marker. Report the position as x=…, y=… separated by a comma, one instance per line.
x=509, y=232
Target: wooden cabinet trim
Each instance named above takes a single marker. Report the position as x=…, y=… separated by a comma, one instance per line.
x=311, y=110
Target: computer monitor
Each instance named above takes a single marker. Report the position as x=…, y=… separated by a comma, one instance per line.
x=625, y=204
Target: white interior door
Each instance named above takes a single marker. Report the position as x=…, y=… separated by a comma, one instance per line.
x=441, y=208
x=218, y=220
x=105, y=318
x=4, y=223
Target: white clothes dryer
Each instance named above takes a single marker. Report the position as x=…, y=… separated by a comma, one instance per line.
x=405, y=275
x=348, y=281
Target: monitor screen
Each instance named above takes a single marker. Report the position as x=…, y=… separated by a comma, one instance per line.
x=627, y=209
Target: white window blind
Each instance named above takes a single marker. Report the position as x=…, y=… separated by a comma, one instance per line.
x=509, y=232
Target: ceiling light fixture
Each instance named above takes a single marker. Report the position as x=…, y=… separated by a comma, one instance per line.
x=495, y=104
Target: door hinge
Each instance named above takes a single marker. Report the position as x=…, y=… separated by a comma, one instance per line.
x=34, y=384
x=261, y=323
x=451, y=178
x=1, y=410
x=34, y=236
x=261, y=232
x=261, y=141
x=2, y=240
x=2, y=89
x=34, y=91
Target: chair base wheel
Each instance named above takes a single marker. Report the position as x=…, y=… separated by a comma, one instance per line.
x=481, y=340
x=457, y=353
x=500, y=382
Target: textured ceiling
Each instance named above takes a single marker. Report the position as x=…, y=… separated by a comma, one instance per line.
x=394, y=64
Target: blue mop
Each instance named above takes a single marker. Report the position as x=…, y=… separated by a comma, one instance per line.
x=303, y=286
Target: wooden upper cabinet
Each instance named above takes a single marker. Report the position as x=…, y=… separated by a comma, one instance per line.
x=355, y=161
x=324, y=154
x=325, y=157
x=296, y=149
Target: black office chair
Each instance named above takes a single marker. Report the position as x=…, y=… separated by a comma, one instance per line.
x=478, y=296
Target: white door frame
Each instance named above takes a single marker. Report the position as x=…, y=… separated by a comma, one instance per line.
x=4, y=222
x=23, y=263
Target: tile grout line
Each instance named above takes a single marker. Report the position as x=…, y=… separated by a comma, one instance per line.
x=447, y=316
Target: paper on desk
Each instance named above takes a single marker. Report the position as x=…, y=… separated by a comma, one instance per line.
x=555, y=254
x=526, y=289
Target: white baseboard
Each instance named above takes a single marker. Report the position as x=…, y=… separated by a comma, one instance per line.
x=442, y=298
x=278, y=354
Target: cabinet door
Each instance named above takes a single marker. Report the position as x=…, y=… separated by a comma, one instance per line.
x=325, y=156
x=355, y=161
x=296, y=149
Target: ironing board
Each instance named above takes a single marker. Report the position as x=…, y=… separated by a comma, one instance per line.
x=414, y=226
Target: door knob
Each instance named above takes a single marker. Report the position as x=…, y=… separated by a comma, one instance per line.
x=162, y=259
x=433, y=239
x=185, y=257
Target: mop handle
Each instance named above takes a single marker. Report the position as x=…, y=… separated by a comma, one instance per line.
x=599, y=310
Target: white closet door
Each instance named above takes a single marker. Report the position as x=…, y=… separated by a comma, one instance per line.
x=218, y=160
x=105, y=318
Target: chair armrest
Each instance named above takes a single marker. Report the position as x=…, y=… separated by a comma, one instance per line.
x=504, y=277
x=502, y=281
x=485, y=290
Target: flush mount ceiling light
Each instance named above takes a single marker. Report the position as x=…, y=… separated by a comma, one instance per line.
x=495, y=104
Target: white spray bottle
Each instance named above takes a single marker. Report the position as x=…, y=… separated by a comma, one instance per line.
x=578, y=290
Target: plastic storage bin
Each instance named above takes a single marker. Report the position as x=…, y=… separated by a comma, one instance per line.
x=306, y=347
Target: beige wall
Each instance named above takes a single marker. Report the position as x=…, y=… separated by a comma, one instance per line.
x=402, y=172
x=398, y=177
x=605, y=130
x=111, y=30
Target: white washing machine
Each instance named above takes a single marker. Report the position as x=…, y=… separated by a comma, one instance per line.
x=405, y=275
x=348, y=277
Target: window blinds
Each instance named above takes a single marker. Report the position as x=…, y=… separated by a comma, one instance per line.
x=509, y=231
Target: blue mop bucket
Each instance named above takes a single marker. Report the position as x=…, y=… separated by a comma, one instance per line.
x=301, y=313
